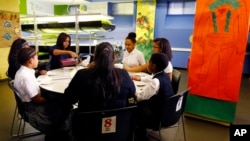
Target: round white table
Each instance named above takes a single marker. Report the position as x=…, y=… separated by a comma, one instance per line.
x=57, y=80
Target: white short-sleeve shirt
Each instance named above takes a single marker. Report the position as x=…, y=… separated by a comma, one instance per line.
x=25, y=84
x=152, y=87
x=169, y=68
x=133, y=59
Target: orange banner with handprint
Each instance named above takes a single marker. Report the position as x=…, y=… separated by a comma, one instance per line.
x=218, y=50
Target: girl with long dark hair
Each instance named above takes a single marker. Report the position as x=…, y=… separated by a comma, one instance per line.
x=101, y=86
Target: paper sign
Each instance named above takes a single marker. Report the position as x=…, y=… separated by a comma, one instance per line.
x=179, y=103
x=109, y=125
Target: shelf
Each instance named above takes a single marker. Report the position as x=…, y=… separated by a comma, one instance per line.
x=43, y=30
x=72, y=39
x=29, y=19
x=55, y=28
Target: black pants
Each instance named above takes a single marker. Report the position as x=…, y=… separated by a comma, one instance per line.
x=144, y=120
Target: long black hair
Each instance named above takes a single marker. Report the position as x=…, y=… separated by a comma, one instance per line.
x=105, y=79
x=165, y=46
x=15, y=47
x=24, y=54
x=62, y=38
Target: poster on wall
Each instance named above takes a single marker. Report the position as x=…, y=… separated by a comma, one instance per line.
x=9, y=27
x=218, y=49
x=145, y=20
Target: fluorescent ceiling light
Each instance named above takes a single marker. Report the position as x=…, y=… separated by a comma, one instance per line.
x=59, y=2
x=66, y=18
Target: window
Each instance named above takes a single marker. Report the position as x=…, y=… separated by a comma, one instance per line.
x=181, y=7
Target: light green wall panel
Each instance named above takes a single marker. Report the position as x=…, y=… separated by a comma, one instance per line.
x=23, y=7
x=61, y=9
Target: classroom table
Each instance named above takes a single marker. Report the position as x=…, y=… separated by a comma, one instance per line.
x=57, y=80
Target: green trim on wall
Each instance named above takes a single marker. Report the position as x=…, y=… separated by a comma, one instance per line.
x=211, y=108
x=23, y=7
x=61, y=9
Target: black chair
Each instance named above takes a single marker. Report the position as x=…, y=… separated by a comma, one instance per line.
x=97, y=125
x=176, y=77
x=172, y=112
x=19, y=117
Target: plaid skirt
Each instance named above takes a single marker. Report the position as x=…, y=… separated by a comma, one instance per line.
x=47, y=117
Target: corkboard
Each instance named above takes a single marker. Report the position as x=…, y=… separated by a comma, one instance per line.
x=9, y=27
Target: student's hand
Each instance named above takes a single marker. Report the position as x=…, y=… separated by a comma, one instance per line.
x=136, y=77
x=39, y=99
x=72, y=54
x=91, y=64
x=126, y=68
x=132, y=66
x=43, y=72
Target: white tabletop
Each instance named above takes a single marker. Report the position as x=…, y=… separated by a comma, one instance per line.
x=58, y=80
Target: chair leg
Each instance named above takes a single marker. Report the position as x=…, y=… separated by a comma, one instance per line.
x=160, y=134
x=21, y=127
x=22, y=135
x=13, y=123
x=178, y=125
x=133, y=135
x=183, y=126
x=16, y=120
x=155, y=138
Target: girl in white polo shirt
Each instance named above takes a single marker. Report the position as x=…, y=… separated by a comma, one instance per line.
x=44, y=114
x=132, y=57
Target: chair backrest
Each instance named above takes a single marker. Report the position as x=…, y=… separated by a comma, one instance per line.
x=174, y=108
x=105, y=125
x=48, y=65
x=19, y=102
x=176, y=77
x=11, y=84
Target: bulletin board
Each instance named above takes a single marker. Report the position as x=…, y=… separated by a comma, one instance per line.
x=9, y=27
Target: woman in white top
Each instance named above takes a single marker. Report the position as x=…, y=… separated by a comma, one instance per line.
x=132, y=57
x=160, y=45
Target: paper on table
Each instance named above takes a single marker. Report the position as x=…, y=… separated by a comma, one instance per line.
x=139, y=83
x=51, y=73
x=119, y=65
x=86, y=61
x=46, y=80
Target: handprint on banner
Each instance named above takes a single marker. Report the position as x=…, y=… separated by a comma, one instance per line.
x=218, y=49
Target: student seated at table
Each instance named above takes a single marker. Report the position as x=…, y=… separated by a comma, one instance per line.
x=101, y=86
x=132, y=57
x=44, y=114
x=12, y=58
x=60, y=51
x=160, y=45
x=153, y=95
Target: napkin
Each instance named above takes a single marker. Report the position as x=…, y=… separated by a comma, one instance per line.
x=119, y=65
x=86, y=61
x=51, y=73
x=46, y=80
x=139, y=83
